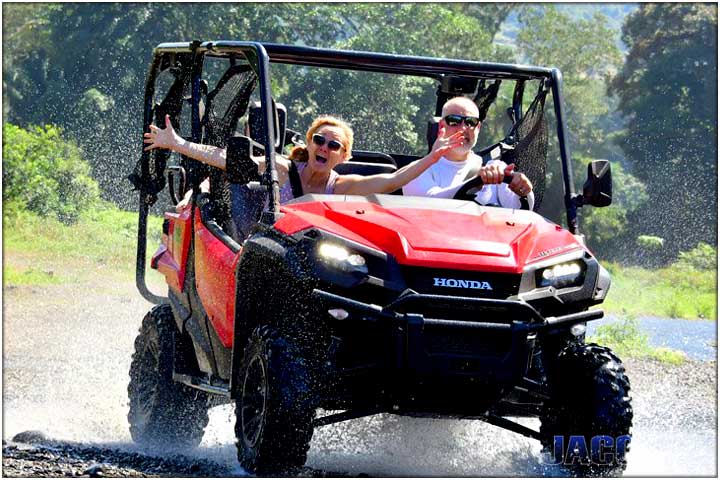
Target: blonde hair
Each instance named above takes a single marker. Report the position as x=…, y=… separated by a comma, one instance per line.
x=300, y=153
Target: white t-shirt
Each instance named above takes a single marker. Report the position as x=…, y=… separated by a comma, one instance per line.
x=444, y=178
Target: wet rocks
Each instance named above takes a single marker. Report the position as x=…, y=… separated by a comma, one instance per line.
x=95, y=470
x=30, y=436
x=664, y=396
x=674, y=396
x=54, y=459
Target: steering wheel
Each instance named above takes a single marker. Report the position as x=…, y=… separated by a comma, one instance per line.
x=476, y=183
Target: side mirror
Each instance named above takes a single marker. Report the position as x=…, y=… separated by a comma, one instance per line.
x=597, y=190
x=239, y=167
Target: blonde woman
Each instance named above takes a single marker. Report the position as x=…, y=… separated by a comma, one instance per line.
x=329, y=142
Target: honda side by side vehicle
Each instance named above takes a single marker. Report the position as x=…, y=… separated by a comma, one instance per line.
x=333, y=307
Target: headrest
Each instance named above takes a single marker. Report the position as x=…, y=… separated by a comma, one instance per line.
x=255, y=123
x=432, y=131
x=372, y=157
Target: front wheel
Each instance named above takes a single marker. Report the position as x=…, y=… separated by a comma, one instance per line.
x=275, y=408
x=162, y=412
x=586, y=424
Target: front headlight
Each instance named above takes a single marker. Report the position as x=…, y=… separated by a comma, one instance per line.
x=561, y=275
x=341, y=258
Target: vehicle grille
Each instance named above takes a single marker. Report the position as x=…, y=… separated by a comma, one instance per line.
x=461, y=283
x=466, y=342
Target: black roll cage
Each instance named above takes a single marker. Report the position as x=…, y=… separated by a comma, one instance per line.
x=260, y=55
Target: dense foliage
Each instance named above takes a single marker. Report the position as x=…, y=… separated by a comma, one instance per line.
x=45, y=174
x=550, y=37
x=702, y=257
x=586, y=52
x=82, y=66
x=667, y=90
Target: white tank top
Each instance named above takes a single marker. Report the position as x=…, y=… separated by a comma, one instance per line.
x=286, y=193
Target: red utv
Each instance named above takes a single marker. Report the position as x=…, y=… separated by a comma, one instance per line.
x=355, y=306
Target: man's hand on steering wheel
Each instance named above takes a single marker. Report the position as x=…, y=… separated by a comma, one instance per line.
x=496, y=172
x=493, y=174
x=520, y=184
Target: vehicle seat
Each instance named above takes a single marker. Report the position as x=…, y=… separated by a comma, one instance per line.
x=255, y=124
x=363, y=168
x=224, y=106
x=432, y=131
x=368, y=156
x=247, y=204
x=246, y=207
x=351, y=167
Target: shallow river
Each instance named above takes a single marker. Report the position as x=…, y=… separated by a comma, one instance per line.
x=697, y=338
x=66, y=355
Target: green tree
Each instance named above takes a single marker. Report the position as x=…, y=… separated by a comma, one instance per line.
x=86, y=71
x=25, y=26
x=586, y=52
x=45, y=174
x=391, y=112
x=490, y=16
x=608, y=229
x=668, y=93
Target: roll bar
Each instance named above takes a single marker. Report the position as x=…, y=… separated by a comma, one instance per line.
x=258, y=59
x=259, y=56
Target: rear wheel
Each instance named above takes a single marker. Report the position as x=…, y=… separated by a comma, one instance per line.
x=274, y=411
x=589, y=399
x=162, y=412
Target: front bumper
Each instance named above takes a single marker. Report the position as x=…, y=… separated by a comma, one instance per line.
x=487, y=340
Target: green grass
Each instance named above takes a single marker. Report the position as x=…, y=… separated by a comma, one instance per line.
x=105, y=239
x=101, y=241
x=15, y=277
x=627, y=340
x=667, y=292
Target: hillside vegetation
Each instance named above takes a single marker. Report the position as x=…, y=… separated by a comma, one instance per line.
x=73, y=234
x=624, y=78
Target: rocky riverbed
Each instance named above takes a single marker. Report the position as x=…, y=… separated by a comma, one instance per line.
x=66, y=356
x=666, y=398
x=31, y=454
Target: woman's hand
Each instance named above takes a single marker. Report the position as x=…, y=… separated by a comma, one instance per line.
x=162, y=138
x=184, y=202
x=204, y=187
x=443, y=145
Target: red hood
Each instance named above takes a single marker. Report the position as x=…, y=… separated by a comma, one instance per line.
x=435, y=233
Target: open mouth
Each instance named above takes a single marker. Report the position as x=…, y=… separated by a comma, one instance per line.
x=320, y=159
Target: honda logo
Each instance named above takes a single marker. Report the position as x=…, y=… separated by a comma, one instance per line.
x=453, y=283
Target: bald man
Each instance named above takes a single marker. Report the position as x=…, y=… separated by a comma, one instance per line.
x=444, y=178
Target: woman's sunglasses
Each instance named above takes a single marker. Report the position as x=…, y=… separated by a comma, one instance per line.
x=333, y=145
x=453, y=120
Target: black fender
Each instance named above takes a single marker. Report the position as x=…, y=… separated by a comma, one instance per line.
x=274, y=287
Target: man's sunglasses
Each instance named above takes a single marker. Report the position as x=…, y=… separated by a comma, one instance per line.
x=454, y=120
x=333, y=145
